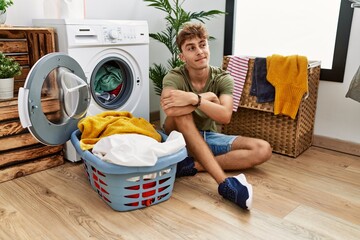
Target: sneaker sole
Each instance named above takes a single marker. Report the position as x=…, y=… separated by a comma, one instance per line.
x=242, y=179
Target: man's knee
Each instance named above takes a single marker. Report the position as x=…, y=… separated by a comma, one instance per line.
x=264, y=151
x=178, y=123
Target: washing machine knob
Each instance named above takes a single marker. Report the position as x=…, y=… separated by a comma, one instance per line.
x=113, y=34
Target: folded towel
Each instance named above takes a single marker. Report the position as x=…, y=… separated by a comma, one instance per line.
x=289, y=76
x=238, y=67
x=354, y=88
x=93, y=128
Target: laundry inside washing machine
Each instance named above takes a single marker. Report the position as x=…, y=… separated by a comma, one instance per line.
x=111, y=83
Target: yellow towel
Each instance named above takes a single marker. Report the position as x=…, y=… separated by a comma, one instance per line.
x=289, y=76
x=107, y=123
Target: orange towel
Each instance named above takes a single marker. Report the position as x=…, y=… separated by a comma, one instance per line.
x=289, y=76
x=107, y=123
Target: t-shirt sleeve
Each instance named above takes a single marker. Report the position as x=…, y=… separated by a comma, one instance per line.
x=173, y=80
x=227, y=84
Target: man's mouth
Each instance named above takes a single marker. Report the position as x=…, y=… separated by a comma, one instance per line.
x=204, y=58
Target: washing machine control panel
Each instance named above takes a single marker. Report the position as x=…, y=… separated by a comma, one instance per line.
x=123, y=34
x=73, y=33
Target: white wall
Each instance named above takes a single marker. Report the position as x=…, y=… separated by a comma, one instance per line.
x=336, y=116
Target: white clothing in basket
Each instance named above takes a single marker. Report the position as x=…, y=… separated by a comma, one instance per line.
x=136, y=149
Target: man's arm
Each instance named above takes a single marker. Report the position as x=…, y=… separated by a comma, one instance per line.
x=177, y=103
x=220, y=110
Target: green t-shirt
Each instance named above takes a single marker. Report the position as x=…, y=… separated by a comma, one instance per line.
x=219, y=82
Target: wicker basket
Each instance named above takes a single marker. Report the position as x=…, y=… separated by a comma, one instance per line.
x=286, y=136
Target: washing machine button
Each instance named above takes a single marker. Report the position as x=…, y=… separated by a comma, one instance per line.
x=113, y=34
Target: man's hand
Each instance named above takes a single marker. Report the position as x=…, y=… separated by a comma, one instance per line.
x=177, y=98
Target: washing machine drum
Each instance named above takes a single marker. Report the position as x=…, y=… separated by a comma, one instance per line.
x=111, y=83
x=54, y=98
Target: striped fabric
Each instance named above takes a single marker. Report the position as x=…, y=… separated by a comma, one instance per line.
x=238, y=67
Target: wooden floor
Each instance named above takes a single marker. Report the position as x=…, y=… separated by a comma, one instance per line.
x=316, y=196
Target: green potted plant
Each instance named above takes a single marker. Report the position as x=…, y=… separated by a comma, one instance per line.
x=4, y=4
x=175, y=17
x=9, y=68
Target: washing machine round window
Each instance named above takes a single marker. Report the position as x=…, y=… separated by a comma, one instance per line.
x=54, y=98
x=60, y=93
x=111, y=83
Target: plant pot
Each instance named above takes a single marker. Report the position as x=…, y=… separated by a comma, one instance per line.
x=6, y=88
x=2, y=17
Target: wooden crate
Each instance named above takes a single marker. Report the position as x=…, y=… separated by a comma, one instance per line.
x=20, y=152
x=26, y=46
x=286, y=136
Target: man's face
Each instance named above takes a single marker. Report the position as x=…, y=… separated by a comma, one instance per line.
x=195, y=53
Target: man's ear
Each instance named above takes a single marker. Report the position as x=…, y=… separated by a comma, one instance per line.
x=181, y=57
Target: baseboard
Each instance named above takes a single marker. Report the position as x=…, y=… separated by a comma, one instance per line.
x=337, y=145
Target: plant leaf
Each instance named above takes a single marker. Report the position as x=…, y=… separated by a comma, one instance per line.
x=156, y=73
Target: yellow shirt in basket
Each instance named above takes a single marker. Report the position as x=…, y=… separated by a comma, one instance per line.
x=93, y=128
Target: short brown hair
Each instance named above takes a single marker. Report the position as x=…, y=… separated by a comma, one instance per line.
x=189, y=31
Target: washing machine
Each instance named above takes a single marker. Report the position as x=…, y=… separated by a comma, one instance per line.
x=117, y=46
x=114, y=57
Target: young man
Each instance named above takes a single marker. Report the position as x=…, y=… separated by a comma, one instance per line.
x=195, y=97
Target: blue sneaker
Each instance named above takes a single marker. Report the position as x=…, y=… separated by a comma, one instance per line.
x=186, y=168
x=237, y=190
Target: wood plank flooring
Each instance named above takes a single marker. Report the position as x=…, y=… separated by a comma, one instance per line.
x=315, y=196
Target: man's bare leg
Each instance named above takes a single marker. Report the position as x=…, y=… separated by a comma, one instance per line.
x=245, y=153
x=196, y=144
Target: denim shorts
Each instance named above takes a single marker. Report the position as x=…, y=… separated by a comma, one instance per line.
x=219, y=143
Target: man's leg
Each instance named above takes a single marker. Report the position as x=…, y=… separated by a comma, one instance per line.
x=235, y=189
x=245, y=153
x=196, y=144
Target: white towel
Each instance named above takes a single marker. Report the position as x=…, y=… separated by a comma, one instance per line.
x=238, y=67
x=136, y=149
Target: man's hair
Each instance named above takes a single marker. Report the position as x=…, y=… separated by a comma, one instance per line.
x=189, y=31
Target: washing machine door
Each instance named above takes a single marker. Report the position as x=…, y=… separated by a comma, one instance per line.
x=54, y=98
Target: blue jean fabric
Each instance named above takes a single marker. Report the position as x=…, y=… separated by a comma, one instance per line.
x=260, y=87
x=218, y=143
